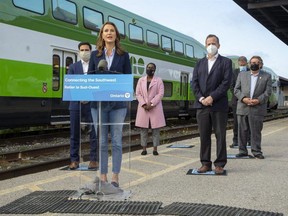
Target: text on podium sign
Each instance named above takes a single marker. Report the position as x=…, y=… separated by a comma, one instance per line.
x=98, y=87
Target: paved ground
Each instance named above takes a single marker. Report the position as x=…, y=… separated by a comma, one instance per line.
x=249, y=183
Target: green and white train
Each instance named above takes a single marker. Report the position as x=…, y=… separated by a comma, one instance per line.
x=39, y=40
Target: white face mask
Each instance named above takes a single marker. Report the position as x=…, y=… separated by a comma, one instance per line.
x=85, y=55
x=212, y=49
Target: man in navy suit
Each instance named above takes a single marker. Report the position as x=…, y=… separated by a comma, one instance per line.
x=211, y=81
x=75, y=107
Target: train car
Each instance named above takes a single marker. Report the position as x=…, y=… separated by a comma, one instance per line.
x=273, y=99
x=39, y=41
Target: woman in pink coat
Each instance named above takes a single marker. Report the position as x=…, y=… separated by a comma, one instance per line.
x=149, y=92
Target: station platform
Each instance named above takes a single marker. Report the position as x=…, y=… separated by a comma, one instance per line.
x=259, y=187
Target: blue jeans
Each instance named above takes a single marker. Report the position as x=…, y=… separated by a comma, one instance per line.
x=113, y=119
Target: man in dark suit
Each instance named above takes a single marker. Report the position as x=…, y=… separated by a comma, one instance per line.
x=252, y=90
x=75, y=107
x=211, y=81
x=243, y=67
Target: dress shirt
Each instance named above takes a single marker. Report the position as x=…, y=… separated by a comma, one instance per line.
x=109, y=58
x=254, y=78
x=85, y=66
x=211, y=62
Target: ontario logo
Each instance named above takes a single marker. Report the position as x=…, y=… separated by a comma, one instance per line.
x=127, y=95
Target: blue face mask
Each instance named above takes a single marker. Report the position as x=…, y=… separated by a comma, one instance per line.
x=242, y=68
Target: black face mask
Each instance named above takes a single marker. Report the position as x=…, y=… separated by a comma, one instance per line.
x=254, y=67
x=150, y=72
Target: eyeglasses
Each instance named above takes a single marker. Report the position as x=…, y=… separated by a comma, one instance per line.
x=84, y=49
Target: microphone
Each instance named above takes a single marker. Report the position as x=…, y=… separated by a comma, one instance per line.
x=102, y=65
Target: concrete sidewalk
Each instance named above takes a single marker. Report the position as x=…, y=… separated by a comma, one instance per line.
x=249, y=183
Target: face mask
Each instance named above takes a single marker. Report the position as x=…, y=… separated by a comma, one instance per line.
x=254, y=67
x=242, y=68
x=85, y=55
x=212, y=49
x=150, y=72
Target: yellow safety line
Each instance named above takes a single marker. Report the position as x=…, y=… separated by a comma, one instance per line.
x=37, y=183
x=133, y=171
x=154, y=162
x=158, y=173
x=274, y=131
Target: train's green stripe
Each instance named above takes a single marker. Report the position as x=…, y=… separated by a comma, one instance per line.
x=27, y=79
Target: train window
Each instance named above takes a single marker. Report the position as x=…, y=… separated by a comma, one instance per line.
x=198, y=52
x=166, y=43
x=168, y=89
x=64, y=10
x=119, y=24
x=92, y=19
x=152, y=38
x=56, y=73
x=136, y=33
x=68, y=62
x=179, y=47
x=32, y=5
x=189, y=51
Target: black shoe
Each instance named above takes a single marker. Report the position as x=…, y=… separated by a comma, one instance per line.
x=144, y=152
x=259, y=156
x=241, y=155
x=155, y=153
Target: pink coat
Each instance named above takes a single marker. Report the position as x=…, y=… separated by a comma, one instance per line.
x=154, y=96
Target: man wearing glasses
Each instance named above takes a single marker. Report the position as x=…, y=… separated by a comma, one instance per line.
x=252, y=90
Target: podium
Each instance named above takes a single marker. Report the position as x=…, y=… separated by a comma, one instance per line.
x=104, y=92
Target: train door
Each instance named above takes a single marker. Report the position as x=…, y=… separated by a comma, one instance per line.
x=184, y=103
x=61, y=61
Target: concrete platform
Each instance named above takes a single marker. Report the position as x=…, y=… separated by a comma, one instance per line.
x=250, y=183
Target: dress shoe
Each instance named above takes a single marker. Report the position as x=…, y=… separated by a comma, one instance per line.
x=241, y=155
x=155, y=153
x=93, y=165
x=259, y=156
x=219, y=170
x=204, y=169
x=74, y=165
x=144, y=152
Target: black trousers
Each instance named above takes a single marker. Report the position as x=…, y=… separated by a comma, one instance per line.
x=208, y=121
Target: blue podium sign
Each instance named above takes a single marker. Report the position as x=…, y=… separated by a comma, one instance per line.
x=98, y=87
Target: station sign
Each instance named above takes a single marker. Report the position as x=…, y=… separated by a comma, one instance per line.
x=98, y=87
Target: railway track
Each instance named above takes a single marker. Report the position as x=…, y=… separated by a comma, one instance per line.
x=27, y=161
